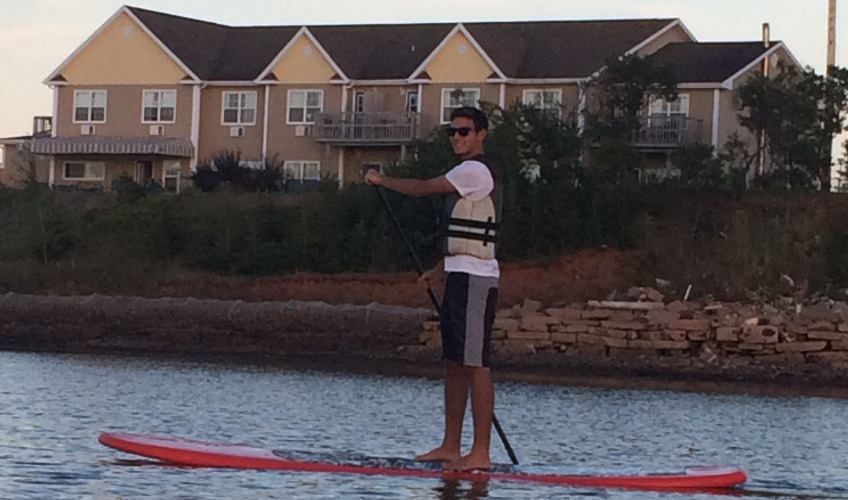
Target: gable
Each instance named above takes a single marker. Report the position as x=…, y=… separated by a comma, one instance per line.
x=458, y=61
x=303, y=63
x=122, y=53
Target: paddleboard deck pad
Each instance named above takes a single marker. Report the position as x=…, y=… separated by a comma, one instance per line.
x=194, y=453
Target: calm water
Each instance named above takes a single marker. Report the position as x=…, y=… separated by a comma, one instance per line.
x=52, y=408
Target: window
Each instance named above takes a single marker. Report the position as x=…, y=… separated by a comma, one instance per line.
x=85, y=171
x=457, y=98
x=252, y=164
x=303, y=104
x=159, y=106
x=302, y=170
x=239, y=108
x=412, y=101
x=358, y=102
x=546, y=100
x=670, y=115
x=90, y=106
x=172, y=176
x=2, y=156
x=677, y=107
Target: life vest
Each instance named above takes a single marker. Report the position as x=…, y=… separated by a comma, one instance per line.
x=472, y=227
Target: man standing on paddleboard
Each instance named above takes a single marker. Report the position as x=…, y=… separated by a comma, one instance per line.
x=470, y=270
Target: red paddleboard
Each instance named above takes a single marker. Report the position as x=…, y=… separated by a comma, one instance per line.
x=191, y=452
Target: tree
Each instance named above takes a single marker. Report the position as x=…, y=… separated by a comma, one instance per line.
x=800, y=113
x=227, y=168
x=624, y=90
x=621, y=95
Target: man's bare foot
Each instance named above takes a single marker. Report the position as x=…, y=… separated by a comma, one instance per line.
x=440, y=454
x=469, y=462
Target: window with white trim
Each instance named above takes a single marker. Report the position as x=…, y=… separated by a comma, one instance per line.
x=160, y=106
x=412, y=101
x=545, y=100
x=457, y=98
x=239, y=108
x=2, y=156
x=171, y=176
x=302, y=170
x=303, y=104
x=677, y=107
x=90, y=106
x=667, y=114
x=84, y=171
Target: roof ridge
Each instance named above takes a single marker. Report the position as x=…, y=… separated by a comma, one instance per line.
x=174, y=16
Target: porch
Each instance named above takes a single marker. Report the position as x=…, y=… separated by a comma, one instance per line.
x=345, y=128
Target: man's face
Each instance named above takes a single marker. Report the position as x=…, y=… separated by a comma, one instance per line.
x=472, y=143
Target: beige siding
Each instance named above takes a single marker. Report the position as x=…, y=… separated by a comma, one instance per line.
x=675, y=34
x=303, y=63
x=355, y=158
x=458, y=62
x=124, y=105
x=282, y=141
x=215, y=135
x=117, y=166
x=432, y=99
x=570, y=93
x=701, y=109
x=122, y=53
x=729, y=111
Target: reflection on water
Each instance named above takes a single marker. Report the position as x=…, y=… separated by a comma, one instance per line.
x=52, y=408
x=462, y=490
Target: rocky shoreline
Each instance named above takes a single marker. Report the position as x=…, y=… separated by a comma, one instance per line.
x=679, y=346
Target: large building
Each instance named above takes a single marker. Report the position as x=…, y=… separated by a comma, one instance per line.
x=152, y=95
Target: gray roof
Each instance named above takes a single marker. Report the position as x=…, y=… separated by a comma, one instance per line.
x=531, y=49
x=560, y=49
x=543, y=49
x=214, y=51
x=712, y=62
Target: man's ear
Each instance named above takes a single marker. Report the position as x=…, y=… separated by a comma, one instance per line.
x=484, y=133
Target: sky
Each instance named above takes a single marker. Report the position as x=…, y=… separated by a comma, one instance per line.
x=36, y=36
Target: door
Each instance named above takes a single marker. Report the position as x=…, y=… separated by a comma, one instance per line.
x=143, y=172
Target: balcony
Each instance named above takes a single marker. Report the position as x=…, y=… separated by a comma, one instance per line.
x=665, y=132
x=368, y=128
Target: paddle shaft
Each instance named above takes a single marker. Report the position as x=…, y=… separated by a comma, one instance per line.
x=438, y=306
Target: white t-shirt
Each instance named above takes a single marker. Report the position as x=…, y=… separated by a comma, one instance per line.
x=472, y=180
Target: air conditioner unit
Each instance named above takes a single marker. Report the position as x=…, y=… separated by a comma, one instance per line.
x=87, y=130
x=157, y=130
x=301, y=131
x=236, y=131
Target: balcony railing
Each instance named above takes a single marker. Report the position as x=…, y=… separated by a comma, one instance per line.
x=667, y=132
x=366, y=128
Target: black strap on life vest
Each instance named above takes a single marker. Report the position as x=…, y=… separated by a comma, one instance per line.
x=489, y=234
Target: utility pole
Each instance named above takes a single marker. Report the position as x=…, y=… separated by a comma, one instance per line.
x=831, y=61
x=831, y=34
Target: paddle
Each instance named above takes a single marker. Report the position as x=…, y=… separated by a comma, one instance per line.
x=435, y=300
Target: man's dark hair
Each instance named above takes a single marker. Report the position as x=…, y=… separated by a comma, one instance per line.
x=481, y=121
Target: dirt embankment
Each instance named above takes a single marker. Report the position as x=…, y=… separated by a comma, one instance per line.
x=587, y=275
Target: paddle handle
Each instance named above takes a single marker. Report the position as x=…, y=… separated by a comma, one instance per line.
x=420, y=268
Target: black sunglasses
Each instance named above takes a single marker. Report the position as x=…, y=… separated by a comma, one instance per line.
x=462, y=131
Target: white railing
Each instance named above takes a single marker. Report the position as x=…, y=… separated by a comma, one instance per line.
x=378, y=127
x=667, y=131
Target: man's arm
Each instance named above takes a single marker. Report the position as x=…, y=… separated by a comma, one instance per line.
x=411, y=187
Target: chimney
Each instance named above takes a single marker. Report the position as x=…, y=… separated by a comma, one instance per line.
x=766, y=35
